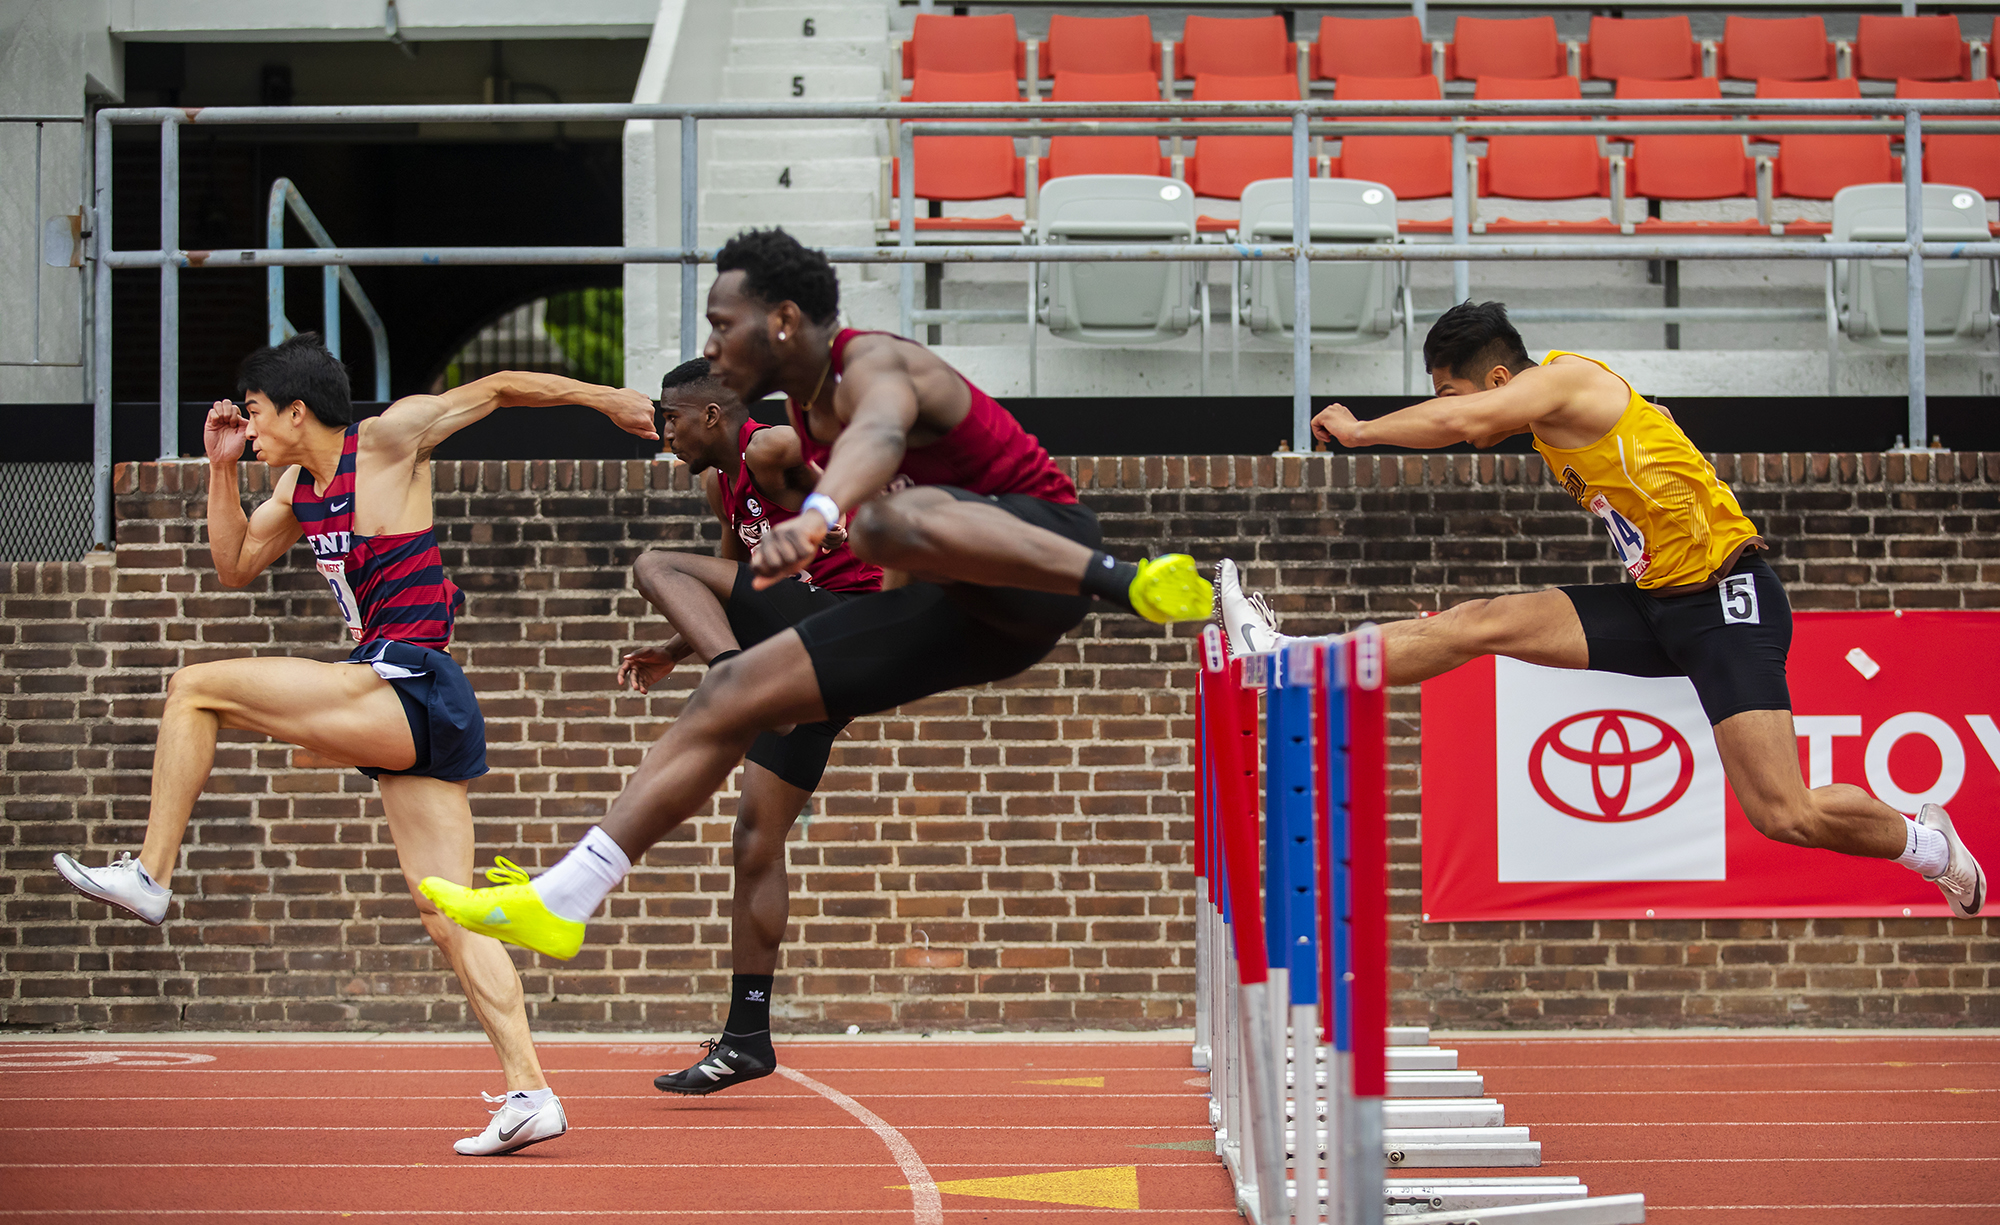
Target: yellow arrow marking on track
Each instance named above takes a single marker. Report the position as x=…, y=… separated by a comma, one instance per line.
x=1076, y=1082
x=1109, y=1187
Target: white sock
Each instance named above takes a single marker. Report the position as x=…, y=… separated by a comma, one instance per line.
x=530, y=1099
x=1925, y=851
x=577, y=886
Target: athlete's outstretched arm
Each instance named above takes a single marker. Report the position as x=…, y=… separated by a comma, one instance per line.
x=1485, y=417
x=778, y=465
x=878, y=402
x=419, y=423
x=242, y=545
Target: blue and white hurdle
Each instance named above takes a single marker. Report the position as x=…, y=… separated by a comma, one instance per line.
x=1312, y=1093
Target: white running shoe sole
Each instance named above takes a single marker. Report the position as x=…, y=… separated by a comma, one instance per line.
x=512, y=1130
x=1963, y=881
x=1246, y=619
x=116, y=885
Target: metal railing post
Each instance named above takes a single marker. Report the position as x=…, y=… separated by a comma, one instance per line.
x=1461, y=217
x=906, y=224
x=338, y=278
x=170, y=290
x=1913, y=230
x=1301, y=289
x=274, y=276
x=690, y=234
x=100, y=339
x=329, y=309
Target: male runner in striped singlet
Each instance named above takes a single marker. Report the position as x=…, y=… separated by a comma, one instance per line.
x=360, y=493
x=1702, y=603
x=945, y=486
x=754, y=476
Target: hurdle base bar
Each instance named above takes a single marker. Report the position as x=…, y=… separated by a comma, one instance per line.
x=1457, y=1083
x=1604, y=1210
x=1409, y=1035
x=1405, y=1196
x=1401, y=1059
x=1435, y=1112
x=1425, y=1148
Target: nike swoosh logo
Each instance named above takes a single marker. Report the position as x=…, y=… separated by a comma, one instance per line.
x=507, y=1136
x=336, y=507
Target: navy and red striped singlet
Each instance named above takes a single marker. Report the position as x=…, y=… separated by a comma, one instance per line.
x=390, y=586
x=752, y=512
x=987, y=452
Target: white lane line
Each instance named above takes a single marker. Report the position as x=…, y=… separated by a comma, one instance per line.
x=486, y=1214
x=1202, y=1159
x=1787, y=1123
x=1696, y=1161
x=208, y=1069
x=1897, y=1064
x=1717, y=1093
x=1091, y=1095
x=686, y=1126
x=1799, y=1207
x=926, y=1205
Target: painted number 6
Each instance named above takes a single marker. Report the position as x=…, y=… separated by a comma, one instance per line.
x=808, y=30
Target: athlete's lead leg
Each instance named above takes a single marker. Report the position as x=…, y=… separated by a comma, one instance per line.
x=1537, y=627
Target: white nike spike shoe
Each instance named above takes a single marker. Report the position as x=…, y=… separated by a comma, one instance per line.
x=123, y=883
x=1246, y=618
x=1962, y=882
x=515, y=1125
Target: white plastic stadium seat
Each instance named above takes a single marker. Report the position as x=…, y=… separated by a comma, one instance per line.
x=1129, y=302
x=1351, y=302
x=1868, y=300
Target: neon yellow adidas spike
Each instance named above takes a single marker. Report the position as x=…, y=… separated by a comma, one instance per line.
x=1170, y=588
x=511, y=911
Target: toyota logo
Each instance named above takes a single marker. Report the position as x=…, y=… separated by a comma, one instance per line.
x=1613, y=743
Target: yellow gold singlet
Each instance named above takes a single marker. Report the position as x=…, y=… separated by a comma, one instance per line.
x=1676, y=526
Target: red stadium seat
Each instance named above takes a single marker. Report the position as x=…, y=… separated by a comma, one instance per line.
x=1234, y=47
x=1539, y=167
x=1376, y=47
x=1222, y=166
x=967, y=167
x=1514, y=48
x=963, y=44
x=1815, y=167
x=1643, y=48
x=1414, y=167
x=1910, y=48
x=1962, y=161
x=1687, y=167
x=1101, y=44
x=1776, y=49
x=1070, y=155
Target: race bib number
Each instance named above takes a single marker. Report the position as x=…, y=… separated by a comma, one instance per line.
x=343, y=595
x=1739, y=600
x=1625, y=537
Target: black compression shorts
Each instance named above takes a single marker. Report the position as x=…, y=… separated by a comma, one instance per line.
x=876, y=652
x=798, y=757
x=1730, y=640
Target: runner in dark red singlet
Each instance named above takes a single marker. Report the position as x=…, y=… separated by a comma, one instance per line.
x=754, y=476
x=359, y=492
x=1000, y=558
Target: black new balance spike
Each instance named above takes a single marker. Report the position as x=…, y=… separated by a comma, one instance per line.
x=719, y=1068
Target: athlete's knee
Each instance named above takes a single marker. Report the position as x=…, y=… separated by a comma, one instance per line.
x=1794, y=823
x=888, y=534
x=1475, y=624
x=754, y=847
x=190, y=685
x=720, y=698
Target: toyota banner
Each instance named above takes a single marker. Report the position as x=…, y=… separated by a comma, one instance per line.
x=1556, y=794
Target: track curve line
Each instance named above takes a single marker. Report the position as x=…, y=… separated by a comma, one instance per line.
x=926, y=1206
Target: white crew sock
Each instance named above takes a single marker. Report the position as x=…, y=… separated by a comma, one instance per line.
x=577, y=886
x=530, y=1099
x=1925, y=850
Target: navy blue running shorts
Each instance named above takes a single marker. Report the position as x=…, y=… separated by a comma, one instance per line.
x=1730, y=640
x=445, y=723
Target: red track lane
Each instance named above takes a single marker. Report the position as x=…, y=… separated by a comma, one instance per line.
x=305, y=1131
x=1783, y=1131
x=1826, y=1130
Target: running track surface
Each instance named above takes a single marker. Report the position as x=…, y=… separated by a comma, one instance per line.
x=1827, y=1129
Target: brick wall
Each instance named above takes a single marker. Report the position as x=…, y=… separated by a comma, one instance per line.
x=1033, y=833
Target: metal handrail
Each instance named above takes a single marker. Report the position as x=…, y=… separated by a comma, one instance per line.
x=1462, y=120
x=285, y=196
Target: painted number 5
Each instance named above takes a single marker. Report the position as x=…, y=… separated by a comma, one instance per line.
x=798, y=87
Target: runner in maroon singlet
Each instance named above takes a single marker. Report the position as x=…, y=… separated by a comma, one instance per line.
x=1000, y=557
x=359, y=492
x=754, y=476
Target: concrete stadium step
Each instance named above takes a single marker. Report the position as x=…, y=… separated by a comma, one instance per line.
x=778, y=205
x=765, y=142
x=831, y=23
x=820, y=83
x=798, y=54
x=1402, y=1196
x=809, y=173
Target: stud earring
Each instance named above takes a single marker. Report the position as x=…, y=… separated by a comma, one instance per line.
x=781, y=335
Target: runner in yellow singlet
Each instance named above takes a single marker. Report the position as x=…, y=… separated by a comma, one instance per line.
x=1703, y=603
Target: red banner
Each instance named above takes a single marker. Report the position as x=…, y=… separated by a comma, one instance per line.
x=1556, y=794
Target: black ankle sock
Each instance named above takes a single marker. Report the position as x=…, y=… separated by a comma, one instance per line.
x=749, y=1023
x=1109, y=580
x=722, y=655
